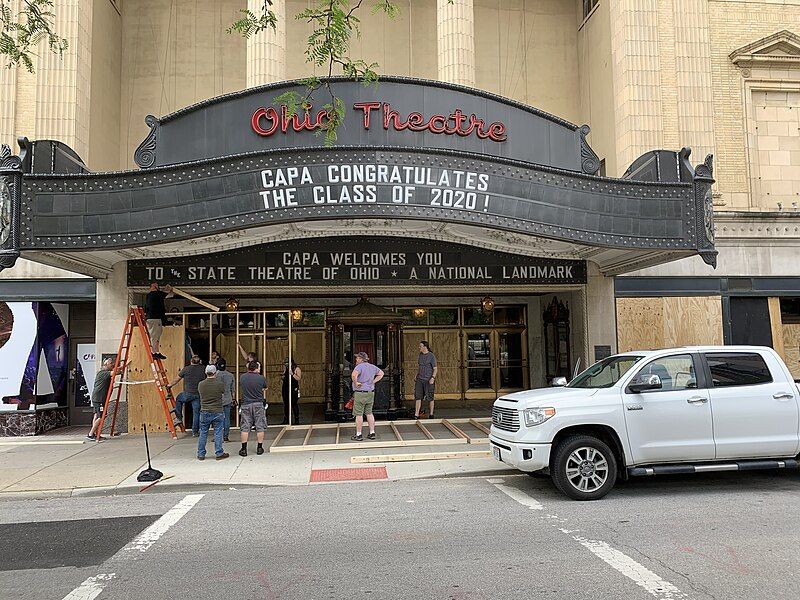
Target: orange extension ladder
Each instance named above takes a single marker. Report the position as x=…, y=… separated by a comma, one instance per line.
x=136, y=321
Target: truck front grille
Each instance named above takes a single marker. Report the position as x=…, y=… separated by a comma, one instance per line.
x=506, y=419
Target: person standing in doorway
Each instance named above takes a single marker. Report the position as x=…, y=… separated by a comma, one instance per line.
x=291, y=392
x=425, y=383
x=155, y=312
x=102, y=381
x=227, y=397
x=192, y=374
x=365, y=375
x=211, y=391
x=252, y=411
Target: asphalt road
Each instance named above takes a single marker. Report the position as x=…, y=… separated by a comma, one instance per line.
x=727, y=535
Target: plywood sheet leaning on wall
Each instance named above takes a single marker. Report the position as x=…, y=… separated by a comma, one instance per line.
x=144, y=405
x=651, y=323
x=791, y=348
x=692, y=321
x=640, y=323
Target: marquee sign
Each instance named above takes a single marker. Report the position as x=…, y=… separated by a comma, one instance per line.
x=348, y=261
x=398, y=113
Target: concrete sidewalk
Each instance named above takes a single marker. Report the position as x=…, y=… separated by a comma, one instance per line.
x=71, y=465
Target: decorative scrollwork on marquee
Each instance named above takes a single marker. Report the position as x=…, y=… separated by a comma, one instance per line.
x=590, y=162
x=8, y=160
x=145, y=155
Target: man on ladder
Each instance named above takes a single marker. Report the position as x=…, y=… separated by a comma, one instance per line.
x=155, y=312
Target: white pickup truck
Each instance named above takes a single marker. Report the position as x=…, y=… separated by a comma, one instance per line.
x=679, y=410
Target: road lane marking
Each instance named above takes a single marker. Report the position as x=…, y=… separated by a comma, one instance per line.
x=519, y=496
x=91, y=588
x=619, y=561
x=143, y=541
x=639, y=574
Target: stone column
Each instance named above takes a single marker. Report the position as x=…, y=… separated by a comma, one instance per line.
x=112, y=307
x=456, y=41
x=266, y=51
x=661, y=68
x=601, y=312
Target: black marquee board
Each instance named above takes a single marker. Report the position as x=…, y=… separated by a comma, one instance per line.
x=357, y=260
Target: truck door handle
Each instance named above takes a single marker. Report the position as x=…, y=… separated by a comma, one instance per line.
x=783, y=396
x=697, y=400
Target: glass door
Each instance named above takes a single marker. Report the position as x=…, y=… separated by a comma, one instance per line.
x=495, y=362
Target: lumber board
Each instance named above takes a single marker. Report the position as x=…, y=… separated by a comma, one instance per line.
x=424, y=430
x=396, y=432
x=338, y=432
x=278, y=438
x=381, y=458
x=455, y=430
x=475, y=423
x=195, y=299
x=367, y=444
x=776, y=325
x=308, y=435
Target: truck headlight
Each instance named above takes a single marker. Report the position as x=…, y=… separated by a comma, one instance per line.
x=537, y=416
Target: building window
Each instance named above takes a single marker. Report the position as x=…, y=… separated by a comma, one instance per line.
x=588, y=7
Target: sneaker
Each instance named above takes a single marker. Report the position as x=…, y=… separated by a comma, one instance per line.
x=223, y=455
x=159, y=356
x=260, y=450
x=225, y=440
x=371, y=436
x=430, y=416
x=243, y=452
x=357, y=438
x=195, y=434
x=416, y=417
x=201, y=458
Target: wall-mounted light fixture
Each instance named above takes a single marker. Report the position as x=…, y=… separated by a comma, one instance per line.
x=231, y=304
x=419, y=313
x=297, y=315
x=487, y=304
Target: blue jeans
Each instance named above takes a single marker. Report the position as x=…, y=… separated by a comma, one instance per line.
x=227, y=409
x=207, y=419
x=185, y=398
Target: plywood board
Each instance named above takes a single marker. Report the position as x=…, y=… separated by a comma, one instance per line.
x=640, y=323
x=776, y=325
x=446, y=345
x=144, y=403
x=692, y=321
x=791, y=348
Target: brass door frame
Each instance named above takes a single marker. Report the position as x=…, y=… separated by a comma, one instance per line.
x=494, y=362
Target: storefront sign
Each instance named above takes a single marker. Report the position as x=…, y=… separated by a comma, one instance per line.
x=358, y=261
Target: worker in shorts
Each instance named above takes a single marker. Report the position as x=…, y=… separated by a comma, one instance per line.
x=364, y=376
x=102, y=381
x=425, y=382
x=252, y=408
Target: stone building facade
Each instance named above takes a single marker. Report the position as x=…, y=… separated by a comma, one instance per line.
x=719, y=76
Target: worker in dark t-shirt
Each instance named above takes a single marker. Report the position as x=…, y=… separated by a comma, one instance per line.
x=102, y=381
x=155, y=311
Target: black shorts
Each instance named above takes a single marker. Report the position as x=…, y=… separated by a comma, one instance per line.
x=424, y=390
x=98, y=409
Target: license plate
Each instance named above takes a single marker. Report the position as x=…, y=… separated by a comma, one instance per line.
x=496, y=452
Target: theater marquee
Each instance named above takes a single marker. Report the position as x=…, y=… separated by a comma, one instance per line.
x=346, y=261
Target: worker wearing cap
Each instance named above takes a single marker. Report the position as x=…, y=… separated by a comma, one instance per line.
x=211, y=413
x=364, y=376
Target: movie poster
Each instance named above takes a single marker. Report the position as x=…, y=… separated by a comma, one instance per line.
x=18, y=355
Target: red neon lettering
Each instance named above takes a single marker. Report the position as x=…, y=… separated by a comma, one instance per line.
x=271, y=115
x=390, y=115
x=367, y=107
x=497, y=132
x=437, y=124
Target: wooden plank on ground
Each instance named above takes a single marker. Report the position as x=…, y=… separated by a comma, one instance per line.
x=280, y=435
x=475, y=423
x=397, y=435
x=380, y=458
x=308, y=435
x=338, y=432
x=424, y=430
x=367, y=444
x=455, y=430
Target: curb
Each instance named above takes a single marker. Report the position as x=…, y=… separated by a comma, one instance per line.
x=175, y=488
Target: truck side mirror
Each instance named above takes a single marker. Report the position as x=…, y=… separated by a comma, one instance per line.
x=644, y=382
x=559, y=381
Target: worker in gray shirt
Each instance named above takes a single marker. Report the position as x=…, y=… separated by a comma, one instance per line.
x=227, y=395
x=192, y=374
x=425, y=382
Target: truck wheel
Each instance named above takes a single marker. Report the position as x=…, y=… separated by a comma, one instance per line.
x=584, y=467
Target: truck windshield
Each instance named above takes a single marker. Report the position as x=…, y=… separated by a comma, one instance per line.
x=604, y=373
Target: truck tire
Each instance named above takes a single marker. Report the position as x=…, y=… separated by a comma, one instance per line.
x=584, y=467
